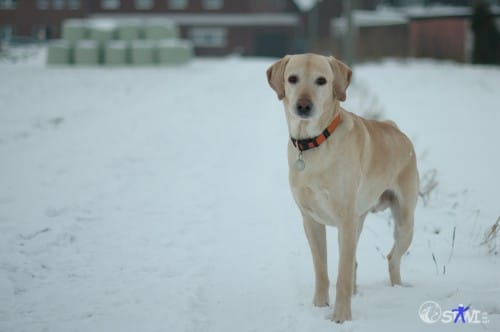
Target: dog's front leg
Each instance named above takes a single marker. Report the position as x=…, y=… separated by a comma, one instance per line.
x=347, y=234
x=316, y=236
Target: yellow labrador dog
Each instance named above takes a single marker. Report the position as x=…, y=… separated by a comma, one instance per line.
x=342, y=167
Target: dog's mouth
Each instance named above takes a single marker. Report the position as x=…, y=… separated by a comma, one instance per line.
x=304, y=116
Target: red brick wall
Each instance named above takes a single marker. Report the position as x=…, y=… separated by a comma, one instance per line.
x=27, y=16
x=382, y=41
x=442, y=38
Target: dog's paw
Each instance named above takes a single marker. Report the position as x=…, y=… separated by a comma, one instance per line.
x=341, y=314
x=321, y=300
x=402, y=285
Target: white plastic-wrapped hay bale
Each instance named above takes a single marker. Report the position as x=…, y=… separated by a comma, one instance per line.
x=101, y=30
x=86, y=52
x=74, y=29
x=157, y=29
x=142, y=52
x=174, y=51
x=59, y=52
x=115, y=53
x=129, y=29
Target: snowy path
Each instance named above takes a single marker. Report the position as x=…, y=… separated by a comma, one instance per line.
x=157, y=200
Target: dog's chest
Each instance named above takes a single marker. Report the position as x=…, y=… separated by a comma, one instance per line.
x=316, y=201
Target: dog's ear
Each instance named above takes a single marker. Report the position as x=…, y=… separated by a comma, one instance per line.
x=276, y=76
x=342, y=78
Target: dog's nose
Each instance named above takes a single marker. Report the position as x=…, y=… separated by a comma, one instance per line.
x=304, y=107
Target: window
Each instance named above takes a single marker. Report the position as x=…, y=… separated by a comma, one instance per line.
x=212, y=4
x=268, y=5
x=208, y=37
x=177, y=4
x=110, y=4
x=144, y=4
x=40, y=32
x=73, y=4
x=42, y=4
x=58, y=4
x=8, y=4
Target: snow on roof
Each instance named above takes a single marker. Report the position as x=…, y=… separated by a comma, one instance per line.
x=237, y=19
x=218, y=19
x=305, y=5
x=102, y=24
x=396, y=16
x=365, y=18
x=436, y=11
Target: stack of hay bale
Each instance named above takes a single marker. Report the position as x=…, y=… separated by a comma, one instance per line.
x=119, y=42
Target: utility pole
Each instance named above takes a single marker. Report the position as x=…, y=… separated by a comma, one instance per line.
x=313, y=25
x=349, y=36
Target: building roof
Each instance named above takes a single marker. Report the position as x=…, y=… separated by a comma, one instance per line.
x=398, y=16
x=367, y=18
x=216, y=19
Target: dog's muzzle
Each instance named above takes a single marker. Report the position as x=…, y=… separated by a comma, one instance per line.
x=304, y=107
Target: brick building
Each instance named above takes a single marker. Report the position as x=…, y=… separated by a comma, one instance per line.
x=438, y=32
x=216, y=27
x=264, y=27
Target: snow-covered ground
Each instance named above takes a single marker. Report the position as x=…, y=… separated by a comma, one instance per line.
x=156, y=199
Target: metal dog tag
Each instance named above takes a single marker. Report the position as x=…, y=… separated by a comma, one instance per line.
x=300, y=164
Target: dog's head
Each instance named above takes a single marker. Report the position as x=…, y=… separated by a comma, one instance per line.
x=309, y=84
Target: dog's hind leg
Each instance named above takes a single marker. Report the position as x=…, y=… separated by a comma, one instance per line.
x=316, y=236
x=402, y=208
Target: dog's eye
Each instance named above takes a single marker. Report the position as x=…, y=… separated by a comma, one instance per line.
x=321, y=81
x=293, y=79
